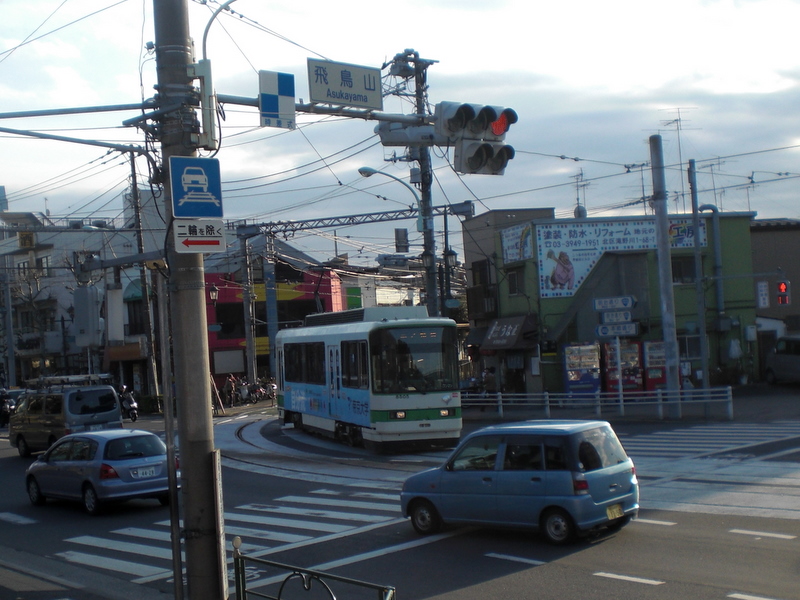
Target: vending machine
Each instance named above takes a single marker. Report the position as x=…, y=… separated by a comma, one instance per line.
x=630, y=366
x=582, y=368
x=655, y=366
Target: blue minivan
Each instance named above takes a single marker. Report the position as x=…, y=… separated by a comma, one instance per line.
x=563, y=478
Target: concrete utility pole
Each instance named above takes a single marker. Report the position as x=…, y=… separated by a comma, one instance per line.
x=668, y=326
x=202, y=525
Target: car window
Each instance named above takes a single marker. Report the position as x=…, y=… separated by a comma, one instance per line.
x=599, y=448
x=53, y=404
x=35, y=405
x=87, y=402
x=555, y=455
x=479, y=454
x=60, y=451
x=83, y=449
x=134, y=447
x=523, y=457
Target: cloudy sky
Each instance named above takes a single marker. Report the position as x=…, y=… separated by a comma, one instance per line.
x=591, y=83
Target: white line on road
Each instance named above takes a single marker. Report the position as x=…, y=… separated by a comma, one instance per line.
x=652, y=522
x=780, y=536
x=749, y=597
x=110, y=564
x=527, y=561
x=628, y=578
x=16, y=519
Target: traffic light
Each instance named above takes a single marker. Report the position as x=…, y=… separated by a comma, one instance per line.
x=784, y=293
x=477, y=132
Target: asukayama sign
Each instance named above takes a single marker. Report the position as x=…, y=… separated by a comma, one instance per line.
x=568, y=251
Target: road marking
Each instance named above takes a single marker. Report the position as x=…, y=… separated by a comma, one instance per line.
x=311, y=512
x=652, y=522
x=527, y=561
x=395, y=507
x=749, y=597
x=16, y=519
x=628, y=578
x=111, y=564
x=292, y=523
x=780, y=536
x=129, y=547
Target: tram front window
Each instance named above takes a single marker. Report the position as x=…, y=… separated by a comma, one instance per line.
x=413, y=360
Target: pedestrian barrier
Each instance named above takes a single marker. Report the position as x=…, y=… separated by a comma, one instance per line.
x=293, y=579
x=710, y=403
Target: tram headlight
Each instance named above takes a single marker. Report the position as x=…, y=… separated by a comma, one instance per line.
x=399, y=414
x=446, y=412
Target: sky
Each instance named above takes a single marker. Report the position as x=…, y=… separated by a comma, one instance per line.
x=590, y=81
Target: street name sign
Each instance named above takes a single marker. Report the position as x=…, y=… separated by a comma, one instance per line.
x=615, y=303
x=616, y=316
x=617, y=330
x=198, y=235
x=344, y=84
x=196, y=187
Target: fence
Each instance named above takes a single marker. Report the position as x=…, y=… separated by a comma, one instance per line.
x=297, y=581
x=708, y=403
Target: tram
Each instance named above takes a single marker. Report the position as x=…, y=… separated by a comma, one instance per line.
x=384, y=378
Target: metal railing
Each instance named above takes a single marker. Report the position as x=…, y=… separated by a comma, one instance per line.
x=295, y=580
x=712, y=402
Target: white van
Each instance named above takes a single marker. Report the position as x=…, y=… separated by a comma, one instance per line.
x=783, y=363
x=44, y=416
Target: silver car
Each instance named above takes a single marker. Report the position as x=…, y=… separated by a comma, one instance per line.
x=563, y=478
x=100, y=467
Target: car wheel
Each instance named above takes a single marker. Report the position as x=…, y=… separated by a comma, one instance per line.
x=91, y=503
x=557, y=526
x=22, y=447
x=35, y=493
x=424, y=517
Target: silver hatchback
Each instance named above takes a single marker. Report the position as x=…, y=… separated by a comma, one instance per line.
x=100, y=467
x=563, y=478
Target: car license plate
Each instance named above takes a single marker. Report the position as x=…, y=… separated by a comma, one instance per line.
x=95, y=427
x=614, y=512
x=143, y=472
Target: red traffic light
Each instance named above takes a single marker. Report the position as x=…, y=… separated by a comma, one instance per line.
x=784, y=293
x=783, y=287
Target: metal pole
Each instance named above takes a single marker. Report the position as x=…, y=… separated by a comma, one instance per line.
x=668, y=327
x=205, y=560
x=169, y=431
x=247, y=293
x=425, y=205
x=270, y=289
x=698, y=276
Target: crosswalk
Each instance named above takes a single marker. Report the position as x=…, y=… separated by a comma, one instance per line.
x=708, y=439
x=144, y=555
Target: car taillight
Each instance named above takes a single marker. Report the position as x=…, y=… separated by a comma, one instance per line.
x=580, y=485
x=108, y=472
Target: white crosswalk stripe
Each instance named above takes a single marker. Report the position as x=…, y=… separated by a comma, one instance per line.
x=145, y=554
x=706, y=439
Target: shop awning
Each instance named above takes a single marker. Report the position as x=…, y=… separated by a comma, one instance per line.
x=512, y=333
x=475, y=336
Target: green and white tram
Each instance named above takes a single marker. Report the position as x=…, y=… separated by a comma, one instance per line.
x=384, y=377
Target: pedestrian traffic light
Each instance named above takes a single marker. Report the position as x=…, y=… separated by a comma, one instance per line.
x=477, y=132
x=784, y=293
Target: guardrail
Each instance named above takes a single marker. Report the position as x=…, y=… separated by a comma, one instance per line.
x=296, y=579
x=659, y=403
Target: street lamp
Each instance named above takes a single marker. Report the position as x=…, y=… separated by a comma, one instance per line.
x=428, y=244
x=213, y=294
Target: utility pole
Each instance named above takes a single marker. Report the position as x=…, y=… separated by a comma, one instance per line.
x=668, y=327
x=206, y=571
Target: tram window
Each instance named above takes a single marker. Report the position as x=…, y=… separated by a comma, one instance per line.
x=305, y=363
x=355, y=372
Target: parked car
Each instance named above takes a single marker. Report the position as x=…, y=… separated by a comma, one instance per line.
x=783, y=363
x=100, y=467
x=563, y=478
x=43, y=416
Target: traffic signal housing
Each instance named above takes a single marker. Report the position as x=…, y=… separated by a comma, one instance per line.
x=477, y=132
x=784, y=290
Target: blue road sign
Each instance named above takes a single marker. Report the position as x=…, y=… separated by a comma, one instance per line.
x=196, y=187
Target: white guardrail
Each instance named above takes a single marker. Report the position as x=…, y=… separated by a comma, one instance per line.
x=709, y=403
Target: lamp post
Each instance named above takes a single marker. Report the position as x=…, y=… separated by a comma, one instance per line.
x=213, y=294
x=431, y=291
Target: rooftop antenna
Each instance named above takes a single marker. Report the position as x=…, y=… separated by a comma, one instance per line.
x=678, y=127
x=580, y=184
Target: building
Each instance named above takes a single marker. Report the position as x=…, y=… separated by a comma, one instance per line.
x=549, y=298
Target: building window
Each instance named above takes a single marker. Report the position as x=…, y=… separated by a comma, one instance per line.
x=689, y=346
x=683, y=269
x=480, y=273
x=516, y=282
